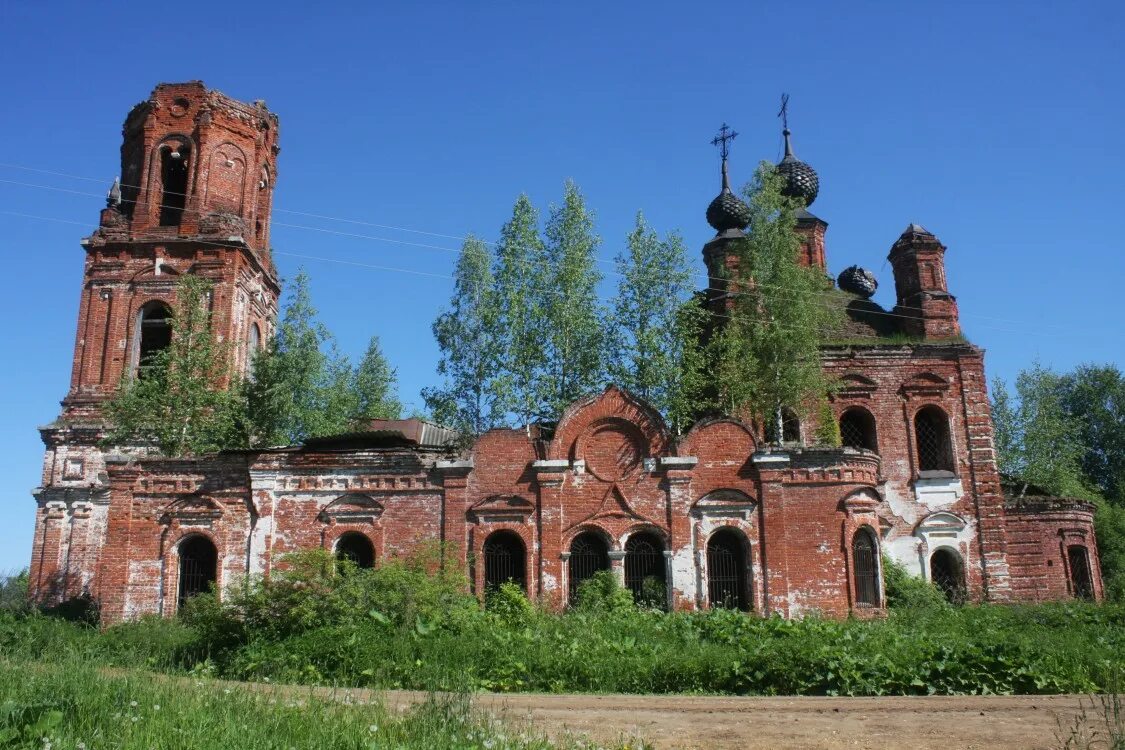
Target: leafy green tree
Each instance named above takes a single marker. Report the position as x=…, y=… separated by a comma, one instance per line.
x=518, y=284
x=302, y=384
x=1037, y=441
x=650, y=326
x=468, y=337
x=687, y=395
x=767, y=353
x=1095, y=396
x=574, y=319
x=375, y=386
x=176, y=402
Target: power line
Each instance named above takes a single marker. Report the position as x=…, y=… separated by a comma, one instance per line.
x=798, y=292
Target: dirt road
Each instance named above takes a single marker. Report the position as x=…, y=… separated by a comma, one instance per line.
x=937, y=723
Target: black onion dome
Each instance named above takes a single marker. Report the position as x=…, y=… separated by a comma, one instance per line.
x=857, y=280
x=727, y=211
x=801, y=181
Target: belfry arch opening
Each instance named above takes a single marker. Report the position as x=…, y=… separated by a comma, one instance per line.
x=154, y=334
x=645, y=573
x=199, y=562
x=726, y=571
x=356, y=549
x=948, y=573
x=588, y=555
x=504, y=560
x=173, y=183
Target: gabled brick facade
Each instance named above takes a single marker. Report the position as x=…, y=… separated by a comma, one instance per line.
x=711, y=515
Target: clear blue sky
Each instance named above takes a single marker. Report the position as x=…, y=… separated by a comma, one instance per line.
x=997, y=125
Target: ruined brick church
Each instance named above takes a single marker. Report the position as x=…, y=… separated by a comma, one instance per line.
x=713, y=518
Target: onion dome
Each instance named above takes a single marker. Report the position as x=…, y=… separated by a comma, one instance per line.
x=859, y=281
x=801, y=181
x=727, y=211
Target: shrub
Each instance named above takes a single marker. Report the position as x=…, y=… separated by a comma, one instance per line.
x=602, y=593
x=906, y=591
x=510, y=605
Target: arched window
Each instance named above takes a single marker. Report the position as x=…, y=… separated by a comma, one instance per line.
x=857, y=429
x=357, y=548
x=790, y=427
x=645, y=570
x=588, y=555
x=948, y=574
x=726, y=571
x=253, y=346
x=1081, y=582
x=198, y=566
x=865, y=559
x=154, y=334
x=504, y=560
x=931, y=435
x=173, y=182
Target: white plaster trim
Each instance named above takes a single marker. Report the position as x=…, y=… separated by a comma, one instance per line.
x=454, y=465
x=780, y=457
x=554, y=464
x=938, y=491
x=678, y=462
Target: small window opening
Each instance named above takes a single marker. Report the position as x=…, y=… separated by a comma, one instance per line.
x=790, y=427
x=948, y=574
x=931, y=433
x=726, y=571
x=588, y=555
x=864, y=555
x=155, y=335
x=198, y=567
x=1081, y=582
x=173, y=183
x=857, y=429
x=645, y=572
x=357, y=548
x=504, y=561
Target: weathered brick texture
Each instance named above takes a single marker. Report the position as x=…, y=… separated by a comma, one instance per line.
x=114, y=526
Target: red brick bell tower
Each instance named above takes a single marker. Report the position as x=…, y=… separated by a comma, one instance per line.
x=194, y=197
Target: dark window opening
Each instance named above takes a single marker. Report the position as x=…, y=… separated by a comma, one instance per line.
x=645, y=570
x=155, y=335
x=948, y=574
x=1081, y=582
x=931, y=433
x=857, y=429
x=173, y=184
x=864, y=556
x=790, y=427
x=357, y=549
x=588, y=555
x=504, y=561
x=198, y=567
x=726, y=571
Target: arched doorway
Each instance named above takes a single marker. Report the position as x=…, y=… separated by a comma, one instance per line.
x=588, y=554
x=504, y=560
x=948, y=574
x=726, y=571
x=645, y=570
x=357, y=548
x=1081, y=582
x=865, y=562
x=198, y=566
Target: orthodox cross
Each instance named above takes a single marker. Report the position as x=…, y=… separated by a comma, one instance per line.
x=783, y=113
x=723, y=139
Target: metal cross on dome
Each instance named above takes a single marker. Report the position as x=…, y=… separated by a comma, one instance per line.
x=783, y=113
x=723, y=139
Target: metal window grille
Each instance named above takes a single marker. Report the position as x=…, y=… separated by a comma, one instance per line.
x=866, y=570
x=503, y=561
x=931, y=432
x=644, y=570
x=198, y=560
x=357, y=548
x=588, y=555
x=947, y=574
x=1081, y=583
x=857, y=430
x=726, y=572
